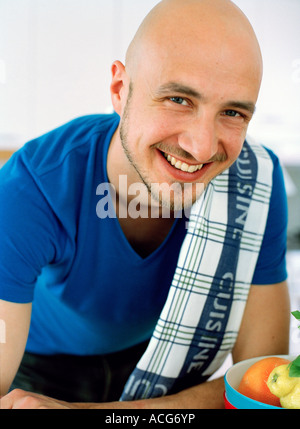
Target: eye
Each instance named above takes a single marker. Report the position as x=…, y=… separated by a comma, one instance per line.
x=232, y=113
x=179, y=100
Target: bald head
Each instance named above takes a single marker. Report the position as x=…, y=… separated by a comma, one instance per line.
x=173, y=26
x=188, y=91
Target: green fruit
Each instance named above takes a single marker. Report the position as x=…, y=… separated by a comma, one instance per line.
x=286, y=388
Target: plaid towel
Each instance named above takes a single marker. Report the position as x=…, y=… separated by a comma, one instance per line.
x=200, y=320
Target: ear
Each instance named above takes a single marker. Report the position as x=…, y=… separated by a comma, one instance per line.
x=118, y=86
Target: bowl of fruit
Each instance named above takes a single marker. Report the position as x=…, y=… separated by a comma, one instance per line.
x=265, y=382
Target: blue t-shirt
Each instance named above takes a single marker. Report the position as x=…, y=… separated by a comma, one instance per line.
x=91, y=292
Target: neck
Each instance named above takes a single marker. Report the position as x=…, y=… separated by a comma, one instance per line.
x=133, y=203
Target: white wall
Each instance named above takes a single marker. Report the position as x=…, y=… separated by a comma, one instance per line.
x=55, y=58
x=277, y=120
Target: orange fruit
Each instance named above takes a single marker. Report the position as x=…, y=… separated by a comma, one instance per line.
x=254, y=381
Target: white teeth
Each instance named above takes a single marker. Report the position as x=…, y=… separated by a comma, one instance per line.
x=193, y=168
x=182, y=165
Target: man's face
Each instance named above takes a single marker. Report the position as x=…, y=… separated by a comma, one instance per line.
x=186, y=117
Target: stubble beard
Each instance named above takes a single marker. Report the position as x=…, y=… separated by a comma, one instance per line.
x=172, y=197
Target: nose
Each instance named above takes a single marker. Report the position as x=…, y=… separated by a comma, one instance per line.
x=199, y=138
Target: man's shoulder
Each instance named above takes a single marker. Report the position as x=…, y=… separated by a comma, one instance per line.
x=77, y=136
x=261, y=150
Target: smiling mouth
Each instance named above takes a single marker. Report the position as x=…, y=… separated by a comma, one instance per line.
x=183, y=166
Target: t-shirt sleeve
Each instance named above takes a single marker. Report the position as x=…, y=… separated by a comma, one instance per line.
x=29, y=231
x=271, y=263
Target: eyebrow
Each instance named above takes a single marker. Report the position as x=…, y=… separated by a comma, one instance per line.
x=245, y=105
x=180, y=89
x=187, y=90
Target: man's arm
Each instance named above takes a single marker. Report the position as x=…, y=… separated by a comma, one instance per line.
x=264, y=331
x=265, y=326
x=15, y=321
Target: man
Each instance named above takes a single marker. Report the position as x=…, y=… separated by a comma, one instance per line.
x=125, y=304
